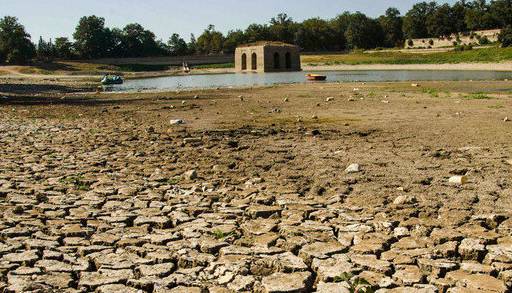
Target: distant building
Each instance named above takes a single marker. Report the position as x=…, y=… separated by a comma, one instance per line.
x=267, y=57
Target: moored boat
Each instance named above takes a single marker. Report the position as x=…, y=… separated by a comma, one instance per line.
x=111, y=79
x=316, y=77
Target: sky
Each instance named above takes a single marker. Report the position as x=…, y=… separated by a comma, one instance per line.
x=56, y=18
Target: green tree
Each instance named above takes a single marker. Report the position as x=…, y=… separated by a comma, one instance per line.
x=316, y=34
x=15, y=44
x=45, y=50
x=92, y=39
x=177, y=46
x=233, y=39
x=211, y=41
x=257, y=32
x=501, y=10
x=505, y=37
x=478, y=16
x=192, y=44
x=441, y=22
x=363, y=32
x=415, y=20
x=63, y=48
x=391, y=24
x=282, y=28
x=136, y=41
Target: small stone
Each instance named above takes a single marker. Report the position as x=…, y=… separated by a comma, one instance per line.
x=415, y=85
x=177, y=122
x=404, y=199
x=506, y=119
x=314, y=117
x=196, y=97
x=458, y=180
x=329, y=99
x=385, y=101
x=190, y=175
x=286, y=99
x=353, y=168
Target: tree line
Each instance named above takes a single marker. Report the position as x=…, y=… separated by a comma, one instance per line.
x=347, y=31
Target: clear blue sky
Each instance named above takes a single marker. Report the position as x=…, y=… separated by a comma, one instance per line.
x=54, y=18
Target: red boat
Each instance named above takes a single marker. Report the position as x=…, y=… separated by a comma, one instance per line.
x=316, y=77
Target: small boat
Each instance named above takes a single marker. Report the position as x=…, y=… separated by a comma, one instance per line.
x=316, y=77
x=111, y=79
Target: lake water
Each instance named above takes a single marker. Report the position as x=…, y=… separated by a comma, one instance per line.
x=259, y=79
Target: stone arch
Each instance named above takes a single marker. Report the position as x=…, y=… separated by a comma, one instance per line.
x=288, y=60
x=277, y=61
x=244, y=61
x=254, y=61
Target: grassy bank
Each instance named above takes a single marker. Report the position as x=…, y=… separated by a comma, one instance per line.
x=477, y=55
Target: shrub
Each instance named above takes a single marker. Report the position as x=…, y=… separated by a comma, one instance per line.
x=410, y=43
x=505, y=37
x=431, y=42
x=484, y=41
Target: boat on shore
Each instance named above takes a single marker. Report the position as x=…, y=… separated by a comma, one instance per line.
x=111, y=79
x=316, y=77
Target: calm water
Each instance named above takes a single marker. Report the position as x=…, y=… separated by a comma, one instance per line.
x=258, y=79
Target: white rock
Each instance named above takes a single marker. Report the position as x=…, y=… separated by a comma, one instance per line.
x=458, y=180
x=286, y=99
x=177, y=121
x=354, y=168
x=506, y=119
x=404, y=199
x=329, y=99
x=385, y=101
x=190, y=175
x=415, y=85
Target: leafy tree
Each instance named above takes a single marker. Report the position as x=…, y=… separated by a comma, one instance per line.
x=139, y=42
x=92, y=39
x=478, y=16
x=315, y=34
x=63, y=48
x=211, y=41
x=257, y=32
x=391, y=24
x=45, y=50
x=15, y=44
x=416, y=18
x=192, y=44
x=233, y=39
x=282, y=28
x=363, y=32
x=441, y=22
x=505, y=37
x=177, y=46
x=502, y=12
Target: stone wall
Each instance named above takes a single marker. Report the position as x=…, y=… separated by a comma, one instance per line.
x=472, y=39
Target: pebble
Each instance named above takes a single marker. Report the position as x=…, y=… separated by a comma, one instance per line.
x=190, y=175
x=329, y=99
x=506, y=119
x=415, y=85
x=353, y=168
x=286, y=99
x=458, y=180
x=177, y=121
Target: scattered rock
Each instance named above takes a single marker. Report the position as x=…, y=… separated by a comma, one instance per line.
x=458, y=180
x=353, y=168
x=177, y=122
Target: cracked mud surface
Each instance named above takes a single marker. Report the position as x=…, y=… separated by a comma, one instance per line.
x=251, y=194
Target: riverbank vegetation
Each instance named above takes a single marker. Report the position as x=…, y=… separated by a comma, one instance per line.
x=491, y=55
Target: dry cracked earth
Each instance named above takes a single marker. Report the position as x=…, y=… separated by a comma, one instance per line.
x=251, y=194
